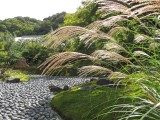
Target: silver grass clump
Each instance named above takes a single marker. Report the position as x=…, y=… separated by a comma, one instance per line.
x=114, y=47
x=109, y=56
x=63, y=34
x=61, y=59
x=92, y=36
x=68, y=33
x=112, y=21
x=93, y=70
x=139, y=38
x=140, y=53
x=116, y=30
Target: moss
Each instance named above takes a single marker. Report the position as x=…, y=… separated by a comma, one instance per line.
x=18, y=74
x=92, y=104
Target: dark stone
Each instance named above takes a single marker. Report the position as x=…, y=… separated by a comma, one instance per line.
x=54, y=88
x=21, y=64
x=109, y=83
x=104, y=75
x=93, y=79
x=103, y=81
x=13, y=80
x=87, y=88
x=66, y=87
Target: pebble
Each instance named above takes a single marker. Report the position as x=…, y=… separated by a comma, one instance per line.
x=31, y=100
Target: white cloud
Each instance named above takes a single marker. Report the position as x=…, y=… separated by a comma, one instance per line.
x=38, y=9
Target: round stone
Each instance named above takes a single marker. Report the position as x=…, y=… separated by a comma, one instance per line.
x=30, y=100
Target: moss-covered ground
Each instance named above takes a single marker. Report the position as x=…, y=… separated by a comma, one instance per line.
x=23, y=75
x=76, y=104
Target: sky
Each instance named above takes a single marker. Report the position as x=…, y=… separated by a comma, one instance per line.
x=38, y=9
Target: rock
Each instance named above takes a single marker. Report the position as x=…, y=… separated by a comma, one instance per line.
x=14, y=118
x=87, y=88
x=1, y=117
x=66, y=87
x=53, y=88
x=104, y=81
x=13, y=80
x=109, y=83
x=93, y=79
x=21, y=64
x=19, y=101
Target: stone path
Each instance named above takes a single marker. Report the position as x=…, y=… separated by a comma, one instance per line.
x=30, y=100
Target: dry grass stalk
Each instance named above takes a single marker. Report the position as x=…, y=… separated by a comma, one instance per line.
x=116, y=30
x=58, y=69
x=147, y=9
x=154, y=45
x=140, y=38
x=116, y=76
x=112, y=21
x=140, y=53
x=110, y=56
x=92, y=36
x=63, y=34
x=107, y=5
x=114, y=47
x=131, y=8
x=141, y=4
x=93, y=70
x=67, y=33
x=95, y=25
x=61, y=59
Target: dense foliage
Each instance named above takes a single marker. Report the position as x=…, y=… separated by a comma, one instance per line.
x=114, y=39
x=118, y=38
x=88, y=107
x=84, y=15
x=50, y=23
x=120, y=45
x=32, y=50
x=19, y=26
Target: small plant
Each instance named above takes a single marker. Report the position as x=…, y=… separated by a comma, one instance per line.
x=3, y=74
x=7, y=74
x=18, y=74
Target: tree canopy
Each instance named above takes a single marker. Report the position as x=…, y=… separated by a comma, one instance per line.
x=84, y=15
x=29, y=26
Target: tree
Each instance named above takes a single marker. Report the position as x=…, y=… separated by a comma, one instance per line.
x=83, y=16
x=55, y=20
x=19, y=25
x=30, y=26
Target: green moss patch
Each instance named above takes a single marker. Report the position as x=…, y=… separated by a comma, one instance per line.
x=17, y=74
x=89, y=104
x=96, y=104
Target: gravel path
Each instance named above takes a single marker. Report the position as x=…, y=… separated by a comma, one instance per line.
x=30, y=100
